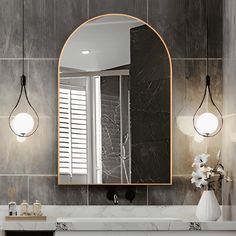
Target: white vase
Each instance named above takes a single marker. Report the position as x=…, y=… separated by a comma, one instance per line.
x=208, y=208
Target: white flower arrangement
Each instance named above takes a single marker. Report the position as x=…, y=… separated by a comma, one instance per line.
x=202, y=176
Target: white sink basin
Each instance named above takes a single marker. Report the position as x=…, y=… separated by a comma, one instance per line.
x=118, y=219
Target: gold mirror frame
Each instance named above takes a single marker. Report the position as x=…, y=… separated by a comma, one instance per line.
x=170, y=64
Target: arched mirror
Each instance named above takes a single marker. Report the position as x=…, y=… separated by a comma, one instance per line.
x=114, y=102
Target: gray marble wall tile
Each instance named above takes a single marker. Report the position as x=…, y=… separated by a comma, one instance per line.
x=98, y=195
x=40, y=31
x=169, y=19
x=10, y=28
x=48, y=192
x=182, y=192
x=36, y=155
x=10, y=85
x=188, y=89
x=13, y=188
x=43, y=84
x=136, y=8
x=215, y=29
x=182, y=24
x=69, y=15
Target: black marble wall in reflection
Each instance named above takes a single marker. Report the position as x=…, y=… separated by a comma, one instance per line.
x=110, y=120
x=150, y=107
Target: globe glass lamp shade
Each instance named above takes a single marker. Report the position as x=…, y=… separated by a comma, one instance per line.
x=207, y=123
x=22, y=124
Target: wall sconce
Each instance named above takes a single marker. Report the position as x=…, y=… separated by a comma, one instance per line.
x=209, y=121
x=23, y=119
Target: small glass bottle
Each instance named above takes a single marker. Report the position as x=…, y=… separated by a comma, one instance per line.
x=37, y=208
x=24, y=208
x=12, y=209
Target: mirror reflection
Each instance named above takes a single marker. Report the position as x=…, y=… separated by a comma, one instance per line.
x=114, y=104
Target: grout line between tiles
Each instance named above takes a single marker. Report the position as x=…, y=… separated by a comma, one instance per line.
x=56, y=59
x=195, y=58
x=28, y=59
x=147, y=10
x=27, y=175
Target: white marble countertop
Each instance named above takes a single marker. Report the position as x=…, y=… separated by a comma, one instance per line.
x=121, y=226
x=108, y=218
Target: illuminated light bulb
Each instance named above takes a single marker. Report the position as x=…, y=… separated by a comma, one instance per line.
x=20, y=139
x=22, y=124
x=207, y=123
x=207, y=120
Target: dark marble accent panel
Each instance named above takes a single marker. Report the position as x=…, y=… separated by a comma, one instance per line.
x=48, y=192
x=10, y=85
x=182, y=23
x=40, y=30
x=136, y=8
x=70, y=14
x=182, y=192
x=43, y=86
x=149, y=108
x=98, y=195
x=36, y=155
x=13, y=188
x=10, y=28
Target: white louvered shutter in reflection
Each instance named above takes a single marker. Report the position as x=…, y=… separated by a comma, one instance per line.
x=73, y=131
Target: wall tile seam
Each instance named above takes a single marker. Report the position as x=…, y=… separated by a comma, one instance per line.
x=29, y=59
x=196, y=59
x=55, y=175
x=57, y=59
x=28, y=175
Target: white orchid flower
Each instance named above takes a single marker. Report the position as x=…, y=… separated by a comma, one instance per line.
x=199, y=178
x=200, y=160
x=220, y=170
x=205, y=169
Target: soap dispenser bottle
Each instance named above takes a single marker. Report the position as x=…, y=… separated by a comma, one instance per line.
x=24, y=208
x=12, y=209
x=37, y=208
